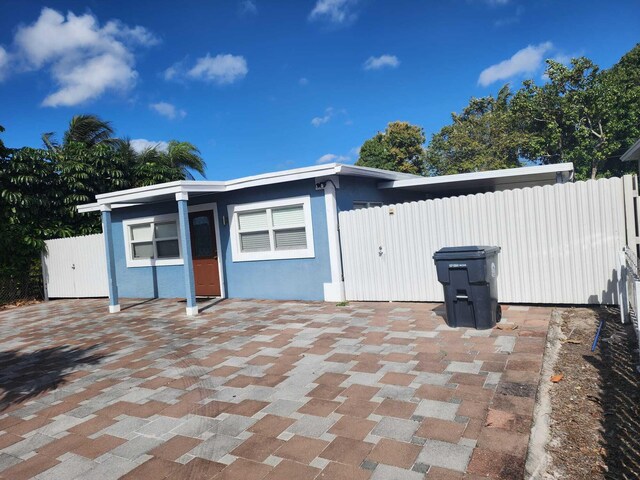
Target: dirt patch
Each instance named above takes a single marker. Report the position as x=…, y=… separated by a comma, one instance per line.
x=595, y=416
x=19, y=303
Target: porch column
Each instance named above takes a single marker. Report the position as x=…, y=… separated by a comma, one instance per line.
x=185, y=241
x=334, y=291
x=114, y=303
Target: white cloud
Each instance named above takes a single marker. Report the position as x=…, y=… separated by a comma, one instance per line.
x=168, y=110
x=142, y=144
x=84, y=59
x=525, y=61
x=383, y=61
x=173, y=72
x=4, y=63
x=330, y=158
x=247, y=7
x=222, y=69
x=328, y=115
x=338, y=12
x=303, y=81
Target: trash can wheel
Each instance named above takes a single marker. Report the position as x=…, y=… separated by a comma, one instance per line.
x=498, y=313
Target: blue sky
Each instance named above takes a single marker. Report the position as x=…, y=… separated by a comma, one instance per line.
x=264, y=85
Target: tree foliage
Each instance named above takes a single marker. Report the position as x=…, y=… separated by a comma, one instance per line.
x=482, y=137
x=41, y=187
x=399, y=148
x=578, y=113
x=581, y=115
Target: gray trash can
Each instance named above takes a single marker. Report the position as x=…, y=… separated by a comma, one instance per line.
x=469, y=275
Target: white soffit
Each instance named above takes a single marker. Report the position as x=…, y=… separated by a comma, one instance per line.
x=524, y=176
x=166, y=191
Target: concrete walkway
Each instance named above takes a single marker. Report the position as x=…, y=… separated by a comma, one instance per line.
x=264, y=390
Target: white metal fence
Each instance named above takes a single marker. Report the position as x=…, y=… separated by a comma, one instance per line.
x=560, y=243
x=75, y=267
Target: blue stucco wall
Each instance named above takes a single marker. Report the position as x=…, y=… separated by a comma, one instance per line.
x=144, y=282
x=291, y=279
x=358, y=189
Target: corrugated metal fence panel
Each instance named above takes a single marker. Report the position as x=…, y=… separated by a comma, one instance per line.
x=560, y=243
x=76, y=267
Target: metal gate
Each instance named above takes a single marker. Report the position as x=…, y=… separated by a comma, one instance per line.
x=560, y=243
x=75, y=267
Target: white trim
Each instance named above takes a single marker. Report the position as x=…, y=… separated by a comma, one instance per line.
x=214, y=207
x=238, y=256
x=114, y=308
x=507, y=174
x=334, y=291
x=192, y=311
x=182, y=196
x=161, y=191
x=150, y=262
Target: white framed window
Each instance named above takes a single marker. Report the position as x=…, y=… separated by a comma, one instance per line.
x=358, y=205
x=152, y=241
x=271, y=230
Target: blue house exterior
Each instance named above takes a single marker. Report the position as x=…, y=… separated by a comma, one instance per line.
x=271, y=236
x=309, y=270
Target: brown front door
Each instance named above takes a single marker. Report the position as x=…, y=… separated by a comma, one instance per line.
x=205, y=254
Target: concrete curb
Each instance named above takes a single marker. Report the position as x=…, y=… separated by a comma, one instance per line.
x=538, y=459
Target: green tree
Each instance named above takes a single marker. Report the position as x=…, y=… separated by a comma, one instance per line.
x=40, y=188
x=399, y=148
x=581, y=115
x=481, y=138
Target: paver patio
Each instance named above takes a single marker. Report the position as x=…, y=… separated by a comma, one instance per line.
x=264, y=390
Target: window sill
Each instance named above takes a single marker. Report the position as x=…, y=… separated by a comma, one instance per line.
x=266, y=256
x=154, y=263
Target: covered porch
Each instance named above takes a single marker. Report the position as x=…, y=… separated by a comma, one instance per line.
x=188, y=240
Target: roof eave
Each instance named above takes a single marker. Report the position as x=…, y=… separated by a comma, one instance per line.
x=633, y=153
x=505, y=174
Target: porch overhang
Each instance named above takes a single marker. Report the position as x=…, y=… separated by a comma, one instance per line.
x=167, y=191
x=491, y=180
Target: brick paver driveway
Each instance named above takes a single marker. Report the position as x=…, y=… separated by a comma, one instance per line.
x=264, y=390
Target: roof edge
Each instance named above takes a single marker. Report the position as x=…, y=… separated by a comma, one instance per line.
x=489, y=174
x=633, y=153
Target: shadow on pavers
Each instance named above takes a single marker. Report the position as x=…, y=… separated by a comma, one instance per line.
x=24, y=375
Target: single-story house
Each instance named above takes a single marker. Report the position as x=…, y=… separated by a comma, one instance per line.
x=269, y=236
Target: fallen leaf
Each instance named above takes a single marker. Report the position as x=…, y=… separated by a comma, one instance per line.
x=577, y=342
x=557, y=378
x=507, y=327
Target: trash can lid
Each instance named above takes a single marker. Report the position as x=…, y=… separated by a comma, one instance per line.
x=469, y=251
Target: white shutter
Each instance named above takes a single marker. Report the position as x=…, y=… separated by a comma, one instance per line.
x=143, y=250
x=291, y=239
x=255, y=242
x=253, y=220
x=141, y=232
x=288, y=216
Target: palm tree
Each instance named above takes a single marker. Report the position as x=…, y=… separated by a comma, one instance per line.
x=185, y=156
x=89, y=130
x=156, y=165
